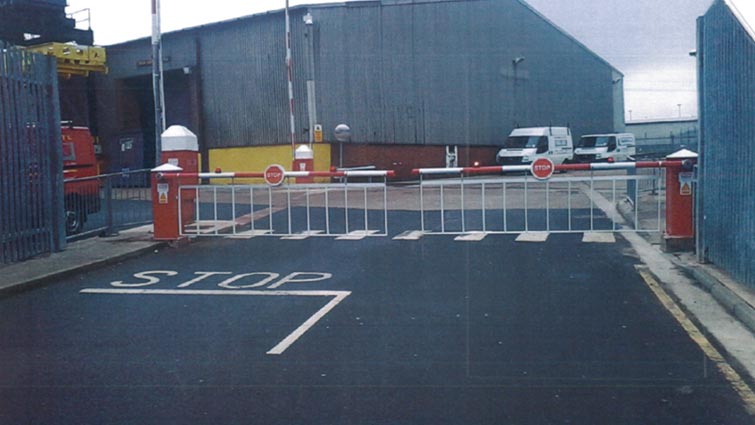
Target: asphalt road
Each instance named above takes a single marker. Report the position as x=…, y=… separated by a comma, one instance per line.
x=376, y=331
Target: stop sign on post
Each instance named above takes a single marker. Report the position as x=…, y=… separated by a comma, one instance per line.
x=274, y=175
x=542, y=168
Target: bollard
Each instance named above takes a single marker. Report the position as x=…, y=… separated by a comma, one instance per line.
x=304, y=160
x=180, y=148
x=165, y=203
x=680, y=227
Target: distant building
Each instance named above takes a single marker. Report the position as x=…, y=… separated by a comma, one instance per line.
x=409, y=78
x=658, y=138
x=726, y=196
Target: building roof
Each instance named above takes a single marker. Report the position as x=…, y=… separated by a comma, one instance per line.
x=367, y=3
x=663, y=121
x=744, y=10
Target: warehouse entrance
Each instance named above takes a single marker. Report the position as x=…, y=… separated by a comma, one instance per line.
x=134, y=145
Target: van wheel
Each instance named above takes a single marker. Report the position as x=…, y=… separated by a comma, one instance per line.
x=74, y=221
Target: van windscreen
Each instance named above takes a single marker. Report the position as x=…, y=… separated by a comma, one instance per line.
x=594, y=141
x=521, y=142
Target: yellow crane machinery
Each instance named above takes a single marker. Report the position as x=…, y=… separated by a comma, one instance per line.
x=74, y=59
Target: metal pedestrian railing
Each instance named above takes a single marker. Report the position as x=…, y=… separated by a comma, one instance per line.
x=107, y=203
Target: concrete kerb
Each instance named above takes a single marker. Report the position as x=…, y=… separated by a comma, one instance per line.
x=730, y=300
x=737, y=306
x=41, y=271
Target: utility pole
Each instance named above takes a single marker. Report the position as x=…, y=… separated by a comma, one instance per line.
x=157, y=79
x=289, y=66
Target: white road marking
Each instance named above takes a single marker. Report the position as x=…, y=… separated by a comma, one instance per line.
x=301, y=330
x=532, y=237
x=282, y=346
x=471, y=237
x=598, y=237
x=249, y=234
x=302, y=235
x=206, y=227
x=356, y=235
x=409, y=235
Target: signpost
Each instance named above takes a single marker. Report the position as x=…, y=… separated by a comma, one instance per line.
x=542, y=168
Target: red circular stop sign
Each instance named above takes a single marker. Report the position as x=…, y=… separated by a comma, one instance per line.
x=542, y=168
x=274, y=174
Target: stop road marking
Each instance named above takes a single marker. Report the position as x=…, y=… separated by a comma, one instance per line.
x=232, y=286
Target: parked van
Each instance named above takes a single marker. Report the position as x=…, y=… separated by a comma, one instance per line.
x=525, y=145
x=82, y=197
x=613, y=147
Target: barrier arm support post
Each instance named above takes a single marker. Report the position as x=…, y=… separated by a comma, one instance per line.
x=165, y=199
x=680, y=223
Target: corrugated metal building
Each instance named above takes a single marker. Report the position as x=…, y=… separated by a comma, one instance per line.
x=726, y=199
x=661, y=137
x=422, y=73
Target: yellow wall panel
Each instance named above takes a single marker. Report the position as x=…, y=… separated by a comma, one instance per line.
x=257, y=158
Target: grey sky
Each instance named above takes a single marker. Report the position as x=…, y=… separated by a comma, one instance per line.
x=648, y=40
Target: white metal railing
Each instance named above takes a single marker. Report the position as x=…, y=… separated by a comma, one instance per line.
x=289, y=210
x=568, y=204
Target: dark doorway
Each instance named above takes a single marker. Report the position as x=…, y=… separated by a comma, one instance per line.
x=134, y=145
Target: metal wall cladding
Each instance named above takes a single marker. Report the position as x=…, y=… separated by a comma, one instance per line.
x=31, y=175
x=437, y=72
x=444, y=73
x=244, y=81
x=727, y=56
x=54, y=3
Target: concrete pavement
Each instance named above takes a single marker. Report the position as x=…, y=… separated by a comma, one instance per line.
x=79, y=256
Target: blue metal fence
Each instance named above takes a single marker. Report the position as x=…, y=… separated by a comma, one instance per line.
x=31, y=195
x=726, y=196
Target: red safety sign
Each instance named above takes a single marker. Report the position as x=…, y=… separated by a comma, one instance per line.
x=274, y=175
x=542, y=168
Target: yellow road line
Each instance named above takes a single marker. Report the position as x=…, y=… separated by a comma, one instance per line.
x=736, y=381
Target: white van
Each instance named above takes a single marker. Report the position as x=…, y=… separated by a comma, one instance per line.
x=525, y=145
x=613, y=147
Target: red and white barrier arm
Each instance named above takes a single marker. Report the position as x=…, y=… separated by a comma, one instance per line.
x=598, y=166
x=247, y=175
x=470, y=170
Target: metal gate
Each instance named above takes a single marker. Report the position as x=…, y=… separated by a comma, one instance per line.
x=575, y=203
x=345, y=208
x=31, y=189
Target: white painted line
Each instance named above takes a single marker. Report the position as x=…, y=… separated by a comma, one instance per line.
x=206, y=227
x=532, y=237
x=301, y=330
x=471, y=237
x=249, y=234
x=281, y=346
x=598, y=237
x=356, y=235
x=302, y=235
x=409, y=235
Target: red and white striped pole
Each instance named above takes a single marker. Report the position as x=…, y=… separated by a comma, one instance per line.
x=289, y=70
x=157, y=79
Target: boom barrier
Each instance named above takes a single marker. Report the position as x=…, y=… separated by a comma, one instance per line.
x=278, y=208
